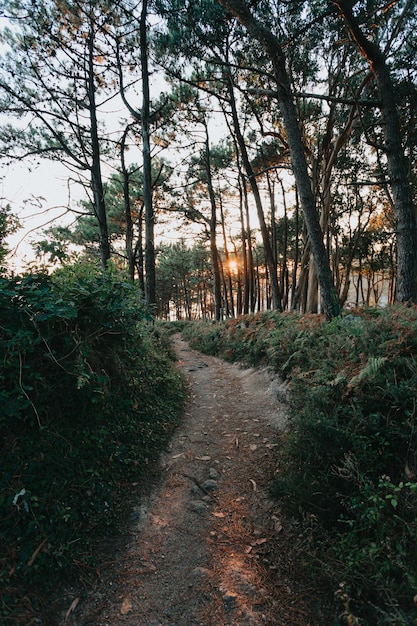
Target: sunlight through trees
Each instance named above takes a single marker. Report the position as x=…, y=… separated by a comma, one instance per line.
x=280, y=135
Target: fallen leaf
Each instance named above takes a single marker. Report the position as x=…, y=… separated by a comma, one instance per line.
x=126, y=606
x=72, y=608
x=253, y=484
x=253, y=447
x=203, y=458
x=218, y=514
x=259, y=542
x=150, y=566
x=35, y=554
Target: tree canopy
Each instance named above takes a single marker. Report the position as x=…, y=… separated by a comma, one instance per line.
x=315, y=103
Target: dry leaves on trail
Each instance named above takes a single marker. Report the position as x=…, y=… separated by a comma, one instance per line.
x=127, y=606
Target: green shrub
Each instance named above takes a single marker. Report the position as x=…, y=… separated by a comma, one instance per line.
x=89, y=397
x=204, y=336
x=248, y=339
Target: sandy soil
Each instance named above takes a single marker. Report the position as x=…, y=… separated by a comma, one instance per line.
x=208, y=547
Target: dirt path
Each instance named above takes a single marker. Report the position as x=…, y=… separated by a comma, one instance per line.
x=207, y=546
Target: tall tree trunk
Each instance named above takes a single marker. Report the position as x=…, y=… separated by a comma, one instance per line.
x=128, y=211
x=405, y=212
x=217, y=292
x=138, y=252
x=269, y=257
x=246, y=282
x=239, y=299
x=96, y=176
x=228, y=291
x=285, y=99
x=225, y=300
x=251, y=267
x=300, y=296
x=245, y=235
x=271, y=193
x=331, y=148
x=258, y=283
x=150, y=276
x=296, y=251
x=284, y=269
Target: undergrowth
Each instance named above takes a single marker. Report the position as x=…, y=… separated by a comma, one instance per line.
x=89, y=397
x=350, y=460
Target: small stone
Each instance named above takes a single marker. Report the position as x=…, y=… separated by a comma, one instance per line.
x=229, y=600
x=210, y=485
x=201, y=572
x=213, y=473
x=198, y=506
x=247, y=589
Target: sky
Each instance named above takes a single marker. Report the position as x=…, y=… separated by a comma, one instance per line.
x=40, y=196
x=36, y=196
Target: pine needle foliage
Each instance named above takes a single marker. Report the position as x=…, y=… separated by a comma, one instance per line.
x=349, y=466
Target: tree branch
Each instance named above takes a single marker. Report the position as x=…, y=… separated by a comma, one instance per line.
x=316, y=96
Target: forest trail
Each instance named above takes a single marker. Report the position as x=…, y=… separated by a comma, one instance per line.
x=208, y=547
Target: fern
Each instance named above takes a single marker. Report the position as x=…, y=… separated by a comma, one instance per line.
x=371, y=369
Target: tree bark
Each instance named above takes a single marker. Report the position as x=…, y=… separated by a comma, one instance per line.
x=269, y=256
x=405, y=211
x=284, y=268
x=150, y=276
x=95, y=170
x=245, y=236
x=296, y=253
x=285, y=99
x=251, y=266
x=217, y=292
x=228, y=286
x=128, y=211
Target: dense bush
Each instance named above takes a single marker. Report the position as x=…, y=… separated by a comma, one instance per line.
x=350, y=461
x=246, y=339
x=89, y=396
